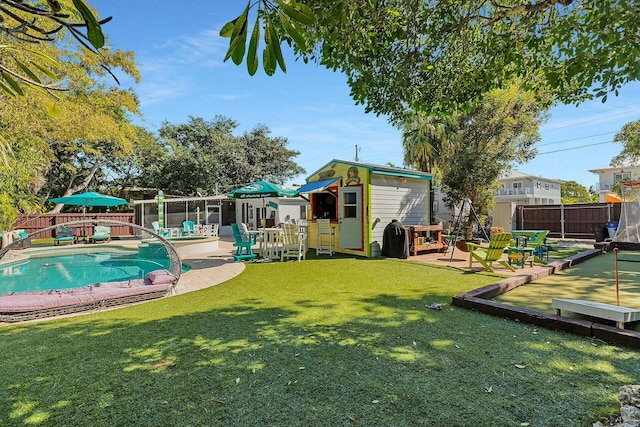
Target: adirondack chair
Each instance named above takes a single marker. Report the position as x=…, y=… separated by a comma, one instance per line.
x=534, y=239
x=156, y=228
x=188, y=228
x=243, y=244
x=293, y=245
x=493, y=253
x=537, y=242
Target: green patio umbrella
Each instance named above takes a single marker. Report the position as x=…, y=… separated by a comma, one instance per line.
x=261, y=189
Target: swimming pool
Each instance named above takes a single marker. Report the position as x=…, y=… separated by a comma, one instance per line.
x=47, y=270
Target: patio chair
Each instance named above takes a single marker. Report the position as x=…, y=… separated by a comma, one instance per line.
x=66, y=235
x=537, y=242
x=23, y=236
x=188, y=228
x=493, y=253
x=325, y=240
x=101, y=233
x=293, y=245
x=243, y=243
x=156, y=228
x=210, y=230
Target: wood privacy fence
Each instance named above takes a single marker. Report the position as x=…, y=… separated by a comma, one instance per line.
x=579, y=221
x=33, y=223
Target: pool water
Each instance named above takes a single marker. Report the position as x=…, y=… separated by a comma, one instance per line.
x=45, y=272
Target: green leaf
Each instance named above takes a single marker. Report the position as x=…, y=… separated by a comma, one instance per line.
x=14, y=84
x=298, y=12
x=252, y=54
x=53, y=110
x=238, y=36
x=238, y=52
x=227, y=30
x=298, y=38
x=241, y=22
x=7, y=90
x=28, y=72
x=275, y=46
x=94, y=32
x=268, y=61
x=45, y=71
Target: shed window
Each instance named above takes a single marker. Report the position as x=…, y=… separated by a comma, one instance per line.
x=324, y=206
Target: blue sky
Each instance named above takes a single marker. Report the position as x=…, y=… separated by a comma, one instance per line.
x=180, y=58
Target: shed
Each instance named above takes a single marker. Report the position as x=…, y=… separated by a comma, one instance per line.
x=360, y=199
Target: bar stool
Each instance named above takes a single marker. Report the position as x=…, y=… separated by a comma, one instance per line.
x=325, y=243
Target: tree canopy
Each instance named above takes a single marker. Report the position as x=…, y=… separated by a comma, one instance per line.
x=571, y=192
x=480, y=144
x=204, y=157
x=28, y=23
x=403, y=56
x=629, y=137
x=55, y=151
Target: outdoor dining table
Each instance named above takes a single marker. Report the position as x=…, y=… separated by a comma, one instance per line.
x=269, y=242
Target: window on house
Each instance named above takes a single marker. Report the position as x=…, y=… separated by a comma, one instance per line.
x=538, y=185
x=546, y=186
x=621, y=176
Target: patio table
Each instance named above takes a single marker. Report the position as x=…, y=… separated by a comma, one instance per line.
x=520, y=255
x=269, y=242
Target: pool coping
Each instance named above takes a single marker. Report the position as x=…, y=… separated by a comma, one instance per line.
x=481, y=300
x=207, y=269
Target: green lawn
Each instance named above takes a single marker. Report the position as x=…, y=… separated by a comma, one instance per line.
x=592, y=280
x=326, y=342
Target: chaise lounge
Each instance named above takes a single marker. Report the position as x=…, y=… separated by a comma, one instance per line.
x=65, y=234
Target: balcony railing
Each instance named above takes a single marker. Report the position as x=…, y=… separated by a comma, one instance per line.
x=515, y=192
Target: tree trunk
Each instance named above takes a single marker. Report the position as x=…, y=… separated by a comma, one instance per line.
x=80, y=187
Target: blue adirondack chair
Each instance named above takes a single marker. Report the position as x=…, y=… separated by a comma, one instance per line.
x=243, y=244
x=188, y=228
x=156, y=229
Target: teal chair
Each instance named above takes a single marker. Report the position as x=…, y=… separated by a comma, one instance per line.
x=65, y=235
x=243, y=243
x=156, y=229
x=188, y=228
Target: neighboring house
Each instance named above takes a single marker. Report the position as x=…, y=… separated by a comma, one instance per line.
x=361, y=199
x=609, y=175
x=524, y=189
x=516, y=188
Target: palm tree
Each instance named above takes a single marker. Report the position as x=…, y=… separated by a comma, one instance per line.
x=425, y=137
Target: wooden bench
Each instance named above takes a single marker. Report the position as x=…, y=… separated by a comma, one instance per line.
x=620, y=315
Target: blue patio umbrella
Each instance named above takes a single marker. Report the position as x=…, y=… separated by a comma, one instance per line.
x=89, y=199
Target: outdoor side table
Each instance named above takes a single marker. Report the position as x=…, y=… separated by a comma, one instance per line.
x=520, y=256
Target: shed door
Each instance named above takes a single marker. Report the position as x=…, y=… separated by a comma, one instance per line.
x=350, y=217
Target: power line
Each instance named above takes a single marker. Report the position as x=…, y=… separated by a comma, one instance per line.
x=589, y=120
x=575, y=148
x=574, y=139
